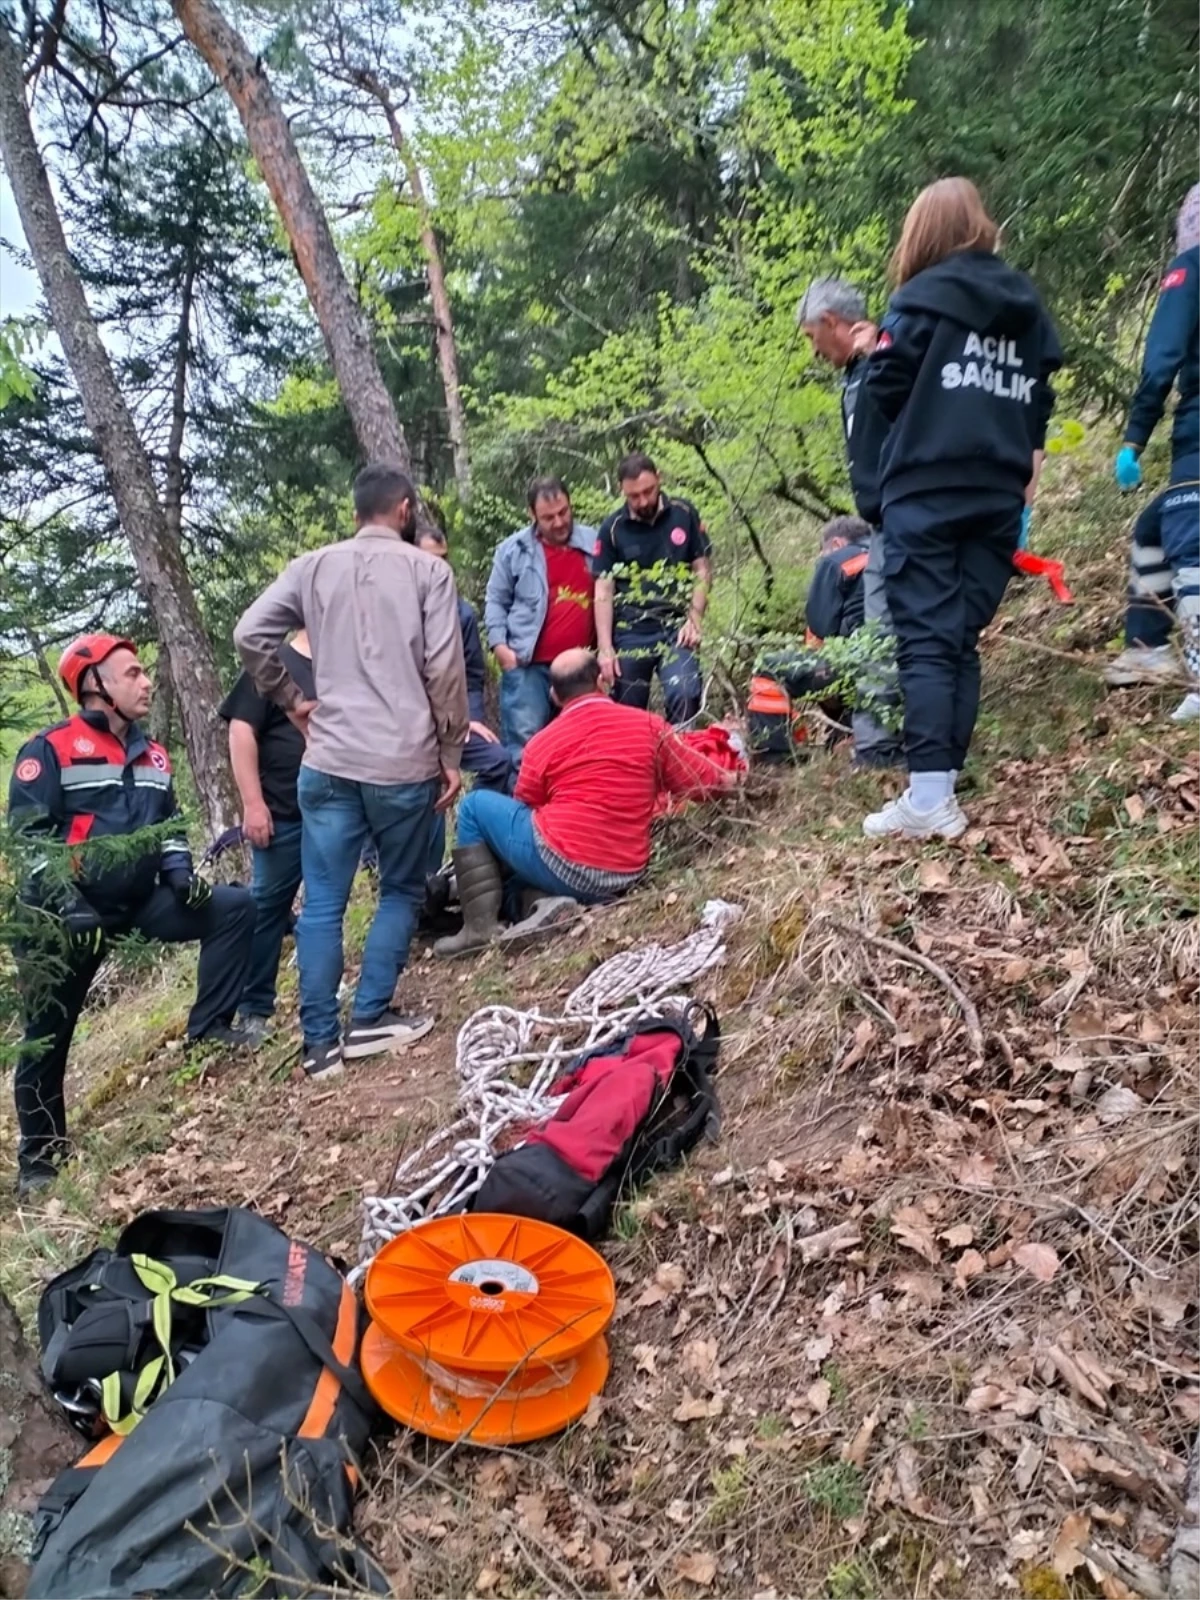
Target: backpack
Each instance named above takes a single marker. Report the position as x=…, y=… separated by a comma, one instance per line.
x=633, y=1107
x=213, y=1359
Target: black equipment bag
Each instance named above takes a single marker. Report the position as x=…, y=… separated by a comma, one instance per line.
x=242, y=1410
x=635, y=1106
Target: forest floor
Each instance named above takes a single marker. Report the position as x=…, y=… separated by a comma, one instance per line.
x=992, y=1385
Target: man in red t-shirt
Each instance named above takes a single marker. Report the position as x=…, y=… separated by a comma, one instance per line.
x=579, y=825
x=539, y=603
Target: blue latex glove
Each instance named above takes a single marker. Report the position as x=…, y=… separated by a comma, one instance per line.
x=1026, y=519
x=1127, y=469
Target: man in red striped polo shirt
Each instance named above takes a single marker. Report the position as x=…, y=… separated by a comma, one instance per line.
x=579, y=824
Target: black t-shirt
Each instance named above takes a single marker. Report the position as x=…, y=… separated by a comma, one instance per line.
x=280, y=742
x=656, y=598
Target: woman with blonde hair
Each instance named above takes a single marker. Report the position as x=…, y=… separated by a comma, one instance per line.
x=961, y=375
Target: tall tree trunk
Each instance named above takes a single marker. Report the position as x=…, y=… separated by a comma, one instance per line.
x=443, y=316
x=173, y=483
x=376, y=425
x=159, y=560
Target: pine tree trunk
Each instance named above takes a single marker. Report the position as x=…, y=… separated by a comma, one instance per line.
x=36, y=1443
x=159, y=561
x=347, y=338
x=443, y=316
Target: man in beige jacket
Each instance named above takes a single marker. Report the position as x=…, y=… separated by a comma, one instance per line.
x=385, y=736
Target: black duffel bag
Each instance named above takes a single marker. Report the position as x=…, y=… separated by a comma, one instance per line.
x=229, y=1428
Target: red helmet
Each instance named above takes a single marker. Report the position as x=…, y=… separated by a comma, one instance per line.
x=89, y=650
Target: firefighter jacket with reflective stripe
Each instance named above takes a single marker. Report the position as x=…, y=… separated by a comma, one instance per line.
x=834, y=608
x=1172, y=356
x=77, y=781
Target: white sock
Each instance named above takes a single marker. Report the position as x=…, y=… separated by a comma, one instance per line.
x=953, y=779
x=928, y=790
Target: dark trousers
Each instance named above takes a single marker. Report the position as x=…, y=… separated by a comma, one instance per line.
x=1181, y=546
x=225, y=929
x=947, y=559
x=274, y=885
x=1150, y=608
x=493, y=767
x=641, y=655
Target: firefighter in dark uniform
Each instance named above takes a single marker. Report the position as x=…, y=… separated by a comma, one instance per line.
x=1172, y=358
x=653, y=571
x=1149, y=607
x=833, y=610
x=97, y=776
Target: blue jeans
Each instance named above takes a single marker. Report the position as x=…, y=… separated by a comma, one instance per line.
x=525, y=705
x=506, y=827
x=491, y=766
x=276, y=878
x=641, y=655
x=339, y=816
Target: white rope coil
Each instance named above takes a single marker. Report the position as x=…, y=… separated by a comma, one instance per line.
x=440, y=1177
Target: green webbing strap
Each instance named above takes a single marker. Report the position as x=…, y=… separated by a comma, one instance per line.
x=159, y=1372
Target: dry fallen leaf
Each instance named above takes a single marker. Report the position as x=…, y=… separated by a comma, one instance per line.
x=1118, y=1103
x=644, y=1358
x=532, y=1512
x=1025, y=1468
x=911, y=1226
x=819, y=1395
x=595, y=1410
x=699, y=1568
x=960, y=1234
x=855, y=1451
x=700, y=1360
x=670, y=1276
x=969, y=1265
x=1017, y=970
x=1092, y=1384
x=976, y=1171
x=1068, y=1547
x=694, y=1408
x=933, y=876
x=984, y=1398
x=1039, y=1260
x=1135, y=808
x=908, y=1482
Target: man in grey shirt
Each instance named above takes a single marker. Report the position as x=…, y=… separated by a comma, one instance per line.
x=385, y=737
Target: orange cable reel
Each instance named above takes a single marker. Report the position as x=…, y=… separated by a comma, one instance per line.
x=487, y=1328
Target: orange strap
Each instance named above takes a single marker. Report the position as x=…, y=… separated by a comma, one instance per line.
x=101, y=1452
x=329, y=1385
x=769, y=696
x=853, y=565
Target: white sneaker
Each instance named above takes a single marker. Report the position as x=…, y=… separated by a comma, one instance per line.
x=945, y=821
x=1139, y=663
x=1188, y=709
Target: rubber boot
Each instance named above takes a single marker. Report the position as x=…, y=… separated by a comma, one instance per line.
x=479, y=894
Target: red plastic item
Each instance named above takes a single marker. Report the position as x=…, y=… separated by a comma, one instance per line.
x=1044, y=567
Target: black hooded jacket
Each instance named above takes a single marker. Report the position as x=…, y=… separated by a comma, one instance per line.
x=961, y=373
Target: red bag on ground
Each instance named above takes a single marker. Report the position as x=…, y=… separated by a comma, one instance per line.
x=715, y=744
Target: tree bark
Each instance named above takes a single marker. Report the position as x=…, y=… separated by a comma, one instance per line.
x=158, y=558
x=36, y=1443
x=45, y=671
x=439, y=297
x=173, y=485
x=347, y=338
